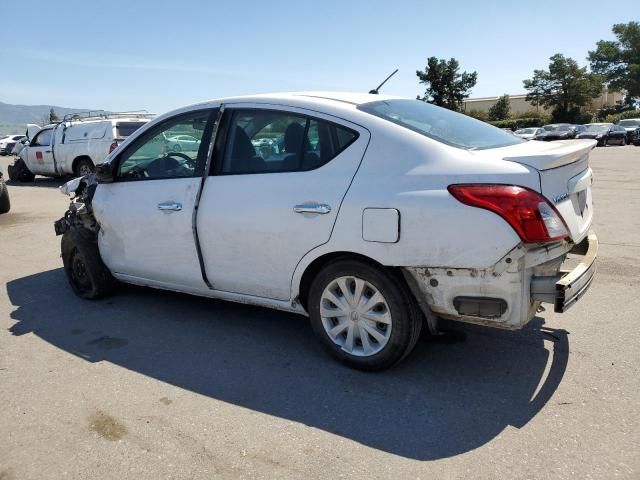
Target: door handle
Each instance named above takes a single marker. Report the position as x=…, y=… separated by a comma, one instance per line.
x=170, y=206
x=321, y=208
x=47, y=151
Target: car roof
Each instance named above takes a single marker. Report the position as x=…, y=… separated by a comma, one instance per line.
x=598, y=123
x=353, y=98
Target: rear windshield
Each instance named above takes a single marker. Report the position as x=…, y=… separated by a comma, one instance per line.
x=629, y=123
x=124, y=129
x=440, y=124
x=597, y=128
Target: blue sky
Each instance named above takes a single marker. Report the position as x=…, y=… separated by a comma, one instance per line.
x=160, y=55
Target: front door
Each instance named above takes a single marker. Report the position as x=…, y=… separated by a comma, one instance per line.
x=146, y=214
x=39, y=157
x=279, y=177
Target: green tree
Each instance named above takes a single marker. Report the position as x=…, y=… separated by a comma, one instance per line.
x=619, y=61
x=445, y=85
x=564, y=88
x=500, y=110
x=53, y=118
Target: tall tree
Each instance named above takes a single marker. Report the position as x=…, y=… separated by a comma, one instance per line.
x=564, y=88
x=500, y=110
x=445, y=85
x=53, y=118
x=619, y=61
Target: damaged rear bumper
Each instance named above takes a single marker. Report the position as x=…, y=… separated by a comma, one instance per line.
x=568, y=286
x=509, y=293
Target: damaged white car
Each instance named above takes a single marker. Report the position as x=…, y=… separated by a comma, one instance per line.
x=372, y=215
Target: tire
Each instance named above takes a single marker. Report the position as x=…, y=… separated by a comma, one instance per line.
x=399, y=332
x=5, y=204
x=623, y=142
x=87, y=274
x=83, y=167
x=19, y=172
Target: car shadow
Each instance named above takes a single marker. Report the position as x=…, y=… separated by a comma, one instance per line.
x=447, y=398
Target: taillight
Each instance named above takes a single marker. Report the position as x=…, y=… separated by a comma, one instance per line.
x=533, y=218
x=113, y=146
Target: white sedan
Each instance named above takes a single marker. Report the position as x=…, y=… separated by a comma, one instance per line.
x=381, y=214
x=528, y=133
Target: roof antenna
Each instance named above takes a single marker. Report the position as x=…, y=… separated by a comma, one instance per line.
x=375, y=91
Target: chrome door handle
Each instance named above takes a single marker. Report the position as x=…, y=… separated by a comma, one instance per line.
x=321, y=208
x=171, y=206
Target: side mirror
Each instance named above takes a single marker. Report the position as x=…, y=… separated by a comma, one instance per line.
x=104, y=173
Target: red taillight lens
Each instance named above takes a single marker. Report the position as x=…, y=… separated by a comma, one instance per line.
x=533, y=218
x=113, y=146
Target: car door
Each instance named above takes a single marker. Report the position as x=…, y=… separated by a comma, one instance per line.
x=278, y=178
x=146, y=213
x=39, y=157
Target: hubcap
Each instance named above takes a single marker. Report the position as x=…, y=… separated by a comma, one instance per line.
x=355, y=316
x=85, y=170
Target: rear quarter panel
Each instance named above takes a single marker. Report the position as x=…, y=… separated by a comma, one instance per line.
x=409, y=172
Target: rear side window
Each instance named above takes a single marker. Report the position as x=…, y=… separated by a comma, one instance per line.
x=445, y=126
x=124, y=129
x=269, y=141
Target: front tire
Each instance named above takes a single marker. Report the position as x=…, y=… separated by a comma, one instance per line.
x=364, y=315
x=19, y=172
x=5, y=204
x=88, y=276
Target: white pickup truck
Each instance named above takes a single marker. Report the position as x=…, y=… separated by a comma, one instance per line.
x=75, y=145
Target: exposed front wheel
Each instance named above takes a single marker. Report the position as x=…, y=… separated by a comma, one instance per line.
x=364, y=315
x=19, y=172
x=87, y=274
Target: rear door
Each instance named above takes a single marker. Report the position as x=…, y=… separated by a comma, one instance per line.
x=279, y=177
x=146, y=214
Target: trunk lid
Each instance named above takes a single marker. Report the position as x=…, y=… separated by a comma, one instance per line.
x=565, y=177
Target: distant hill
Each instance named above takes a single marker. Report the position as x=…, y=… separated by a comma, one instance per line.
x=23, y=114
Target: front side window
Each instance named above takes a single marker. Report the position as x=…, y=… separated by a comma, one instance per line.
x=43, y=139
x=161, y=154
x=268, y=141
x=440, y=124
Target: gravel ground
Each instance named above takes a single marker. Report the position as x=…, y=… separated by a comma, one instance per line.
x=150, y=384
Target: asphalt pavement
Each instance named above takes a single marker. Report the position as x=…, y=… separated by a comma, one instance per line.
x=150, y=384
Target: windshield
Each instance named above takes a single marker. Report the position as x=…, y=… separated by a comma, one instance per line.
x=440, y=124
x=597, y=128
x=629, y=123
x=526, y=131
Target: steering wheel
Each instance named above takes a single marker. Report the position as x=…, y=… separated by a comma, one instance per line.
x=190, y=161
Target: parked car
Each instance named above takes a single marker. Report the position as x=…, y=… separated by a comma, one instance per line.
x=605, y=133
x=559, y=131
x=5, y=204
x=75, y=145
x=181, y=143
x=8, y=142
x=404, y=212
x=529, y=133
x=632, y=127
x=19, y=146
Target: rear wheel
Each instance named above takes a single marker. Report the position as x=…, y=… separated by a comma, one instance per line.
x=88, y=276
x=19, y=172
x=623, y=142
x=84, y=167
x=363, y=315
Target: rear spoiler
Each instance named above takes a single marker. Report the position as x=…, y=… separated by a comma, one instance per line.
x=560, y=153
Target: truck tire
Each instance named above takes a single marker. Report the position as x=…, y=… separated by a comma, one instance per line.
x=372, y=325
x=5, y=204
x=84, y=166
x=19, y=172
x=88, y=276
